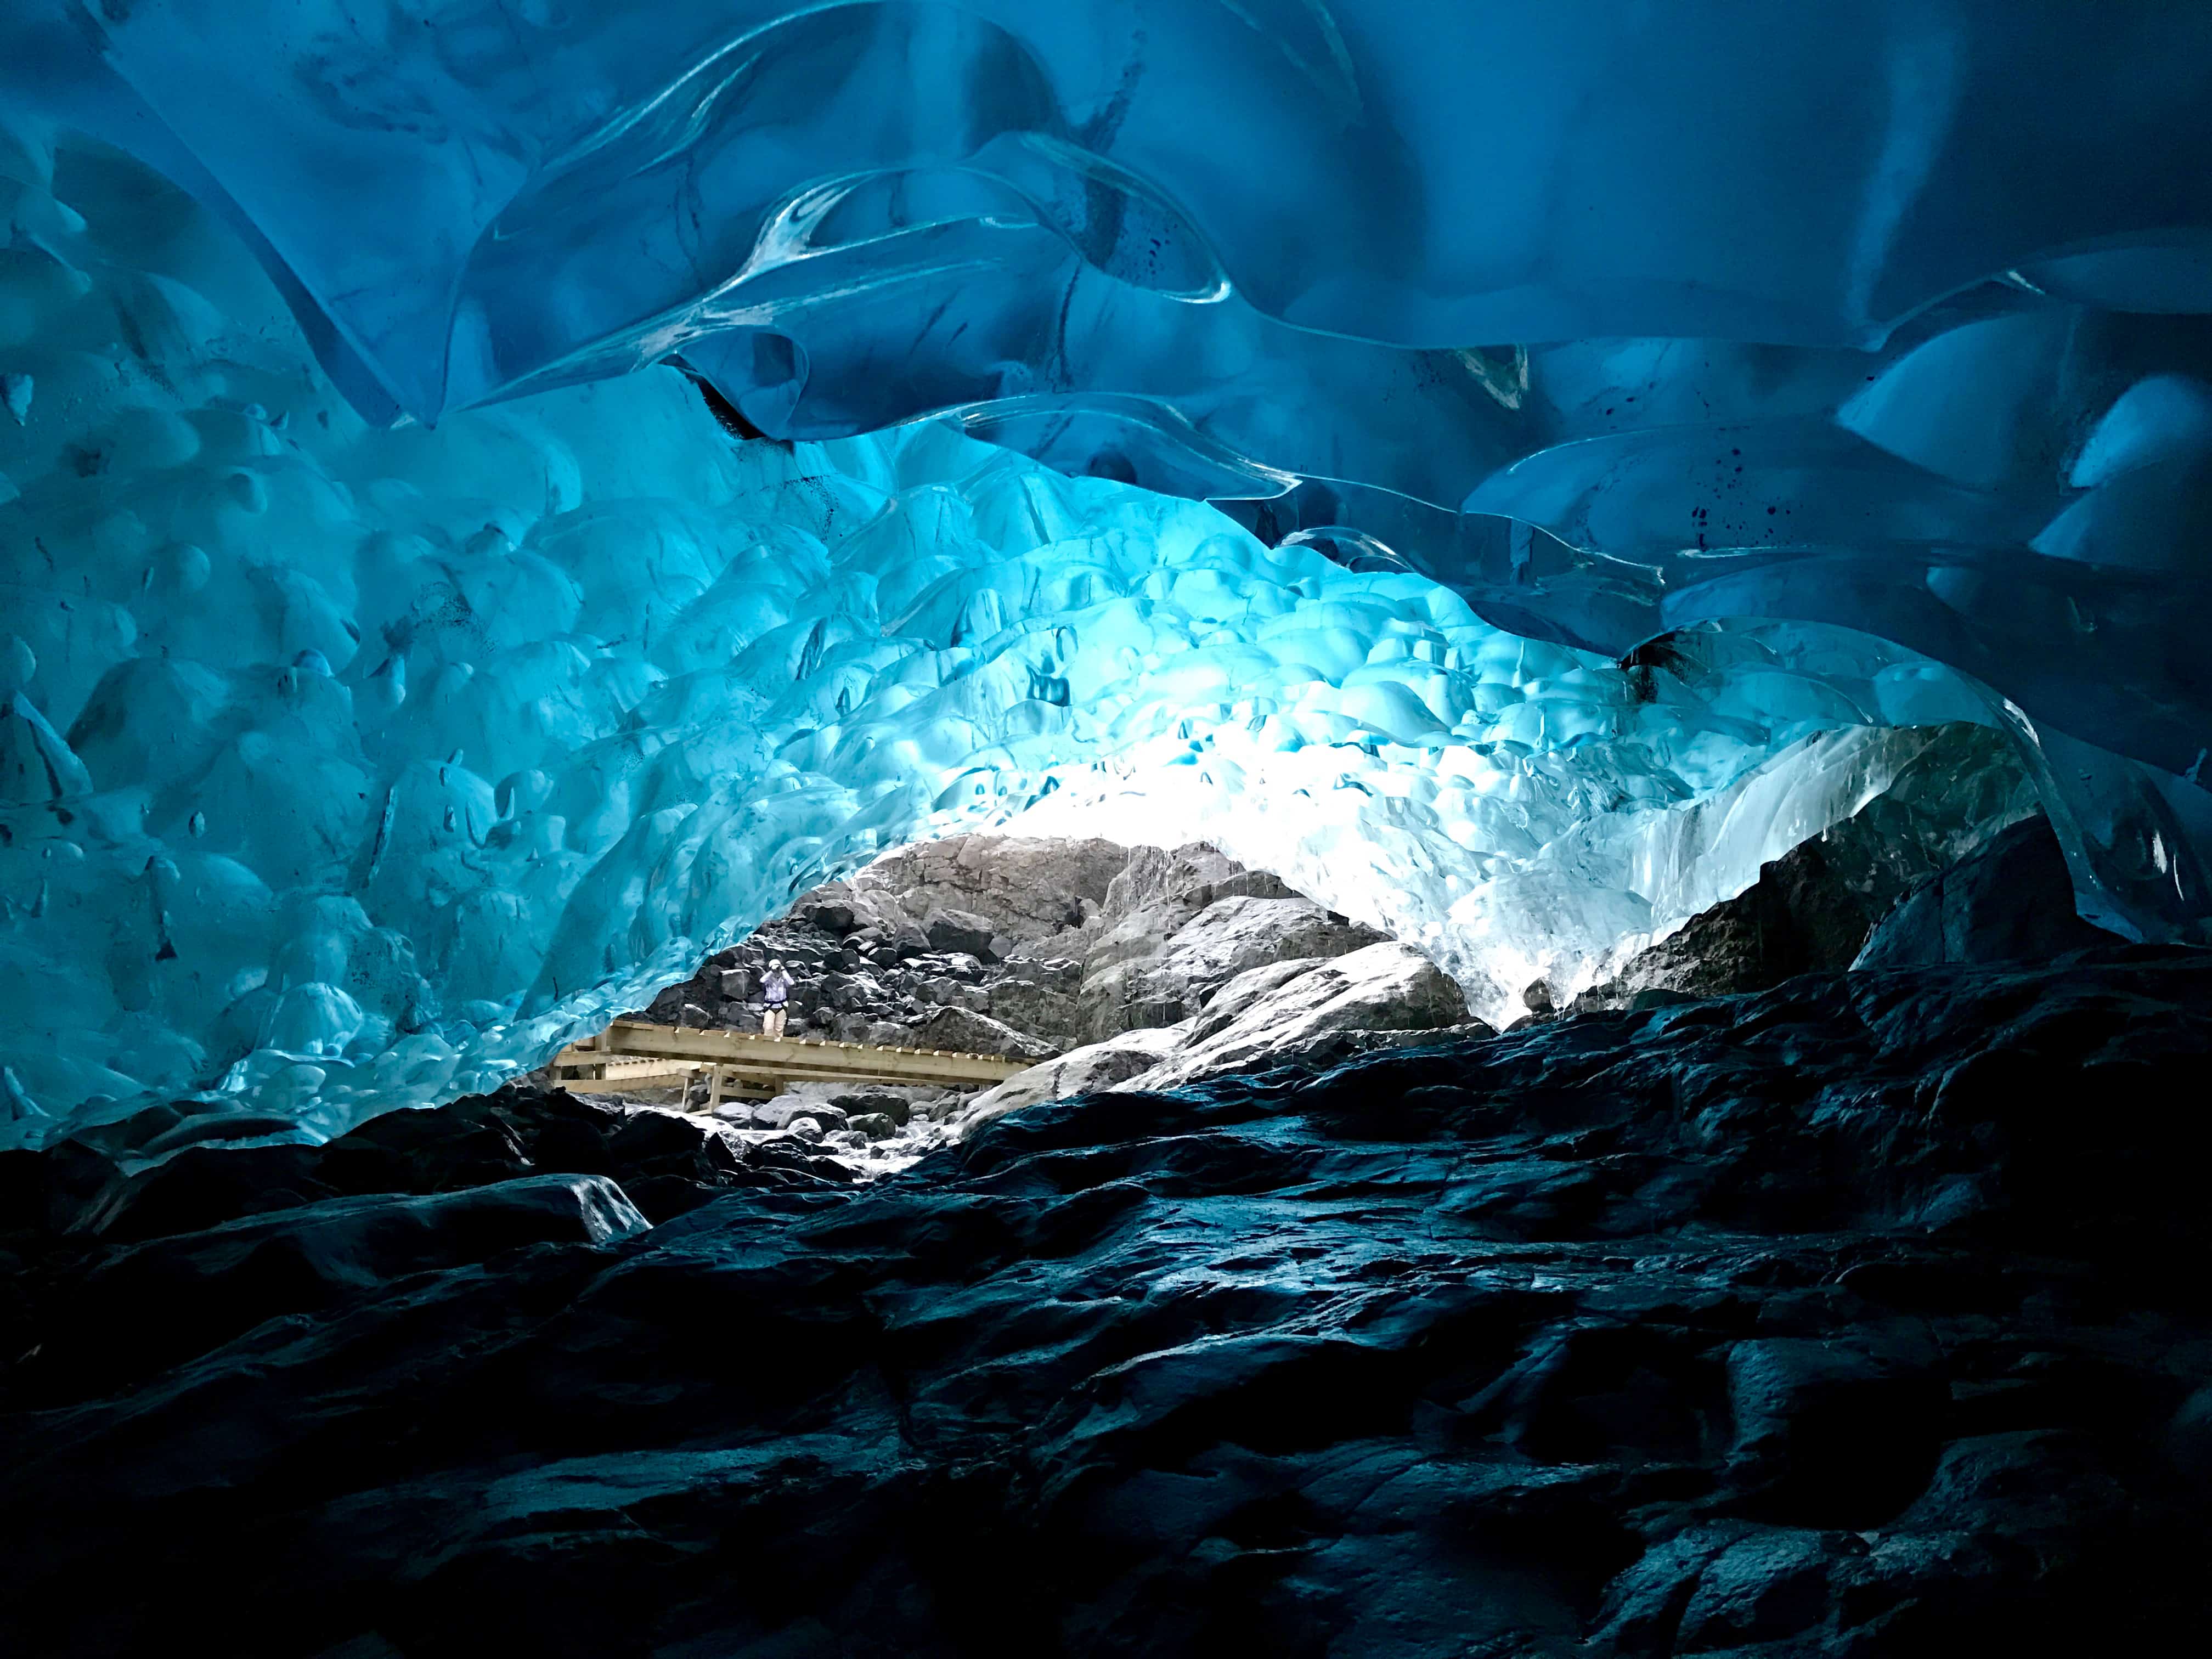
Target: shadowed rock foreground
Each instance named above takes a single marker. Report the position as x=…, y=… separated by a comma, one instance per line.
x=1865, y=1316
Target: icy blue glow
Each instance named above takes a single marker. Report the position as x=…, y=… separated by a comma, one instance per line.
x=1817, y=307
x=344, y=768
x=402, y=752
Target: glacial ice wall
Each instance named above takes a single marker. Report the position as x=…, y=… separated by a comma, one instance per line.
x=343, y=768
x=345, y=763
x=1883, y=313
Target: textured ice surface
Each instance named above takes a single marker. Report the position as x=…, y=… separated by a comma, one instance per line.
x=1885, y=313
x=345, y=768
x=343, y=765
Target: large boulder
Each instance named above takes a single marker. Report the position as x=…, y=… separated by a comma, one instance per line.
x=1094, y=1066
x=830, y=913
x=833, y=1103
x=1039, y=1007
x=1023, y=890
x=1251, y=986
x=786, y=1109
x=1227, y=937
x=1386, y=987
x=963, y=1031
x=961, y=931
x=1175, y=884
x=1160, y=889
x=1805, y=913
x=2011, y=901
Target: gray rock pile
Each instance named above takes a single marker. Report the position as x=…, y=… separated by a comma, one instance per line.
x=974, y=944
x=1082, y=956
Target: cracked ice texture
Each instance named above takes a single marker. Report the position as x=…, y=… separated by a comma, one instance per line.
x=344, y=768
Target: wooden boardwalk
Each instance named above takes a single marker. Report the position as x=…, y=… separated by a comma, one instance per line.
x=631, y=1054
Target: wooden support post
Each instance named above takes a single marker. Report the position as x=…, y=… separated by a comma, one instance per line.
x=714, y=1087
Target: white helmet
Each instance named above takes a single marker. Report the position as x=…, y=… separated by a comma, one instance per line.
x=776, y=962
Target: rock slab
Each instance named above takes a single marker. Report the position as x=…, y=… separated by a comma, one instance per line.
x=2011, y=900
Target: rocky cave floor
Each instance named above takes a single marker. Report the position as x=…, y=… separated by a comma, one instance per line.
x=1864, y=1315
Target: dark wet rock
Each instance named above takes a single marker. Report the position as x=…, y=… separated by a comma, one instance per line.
x=2189, y=1439
x=1813, y=909
x=204, y=1187
x=1829, y=1433
x=961, y=931
x=1786, y=1325
x=168, y=1299
x=2011, y=900
x=665, y=1162
x=1727, y=1587
x=1806, y=914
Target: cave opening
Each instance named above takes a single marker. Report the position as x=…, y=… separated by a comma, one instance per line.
x=820, y=835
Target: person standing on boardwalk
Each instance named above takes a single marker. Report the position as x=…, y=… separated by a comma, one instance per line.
x=775, y=992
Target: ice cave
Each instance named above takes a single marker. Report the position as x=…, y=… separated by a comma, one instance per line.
x=934, y=827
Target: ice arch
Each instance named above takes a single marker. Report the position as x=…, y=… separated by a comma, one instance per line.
x=1887, y=313
x=342, y=769
x=344, y=765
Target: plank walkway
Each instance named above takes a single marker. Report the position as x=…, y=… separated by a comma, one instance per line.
x=632, y=1054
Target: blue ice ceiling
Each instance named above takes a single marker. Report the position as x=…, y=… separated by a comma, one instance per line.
x=401, y=671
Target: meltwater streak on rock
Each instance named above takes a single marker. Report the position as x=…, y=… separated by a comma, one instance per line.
x=353, y=770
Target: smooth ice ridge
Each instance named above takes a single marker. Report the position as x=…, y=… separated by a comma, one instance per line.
x=344, y=768
x=1881, y=313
